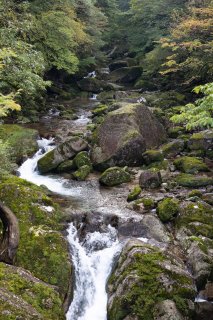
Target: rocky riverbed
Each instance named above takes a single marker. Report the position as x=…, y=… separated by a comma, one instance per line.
x=115, y=162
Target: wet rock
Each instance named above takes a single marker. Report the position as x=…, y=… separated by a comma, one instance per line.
x=167, y=310
x=118, y=64
x=203, y=311
x=114, y=176
x=94, y=85
x=173, y=148
x=190, y=165
x=207, y=294
x=124, y=135
x=63, y=152
x=126, y=75
x=150, y=179
x=167, y=209
x=142, y=269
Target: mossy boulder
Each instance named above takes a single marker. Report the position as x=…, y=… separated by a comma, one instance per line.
x=194, y=230
x=150, y=179
x=145, y=276
x=82, y=159
x=66, y=166
x=191, y=181
x=82, y=173
x=173, y=148
x=167, y=209
x=164, y=100
x=126, y=74
x=93, y=85
x=42, y=248
x=118, y=64
x=190, y=165
x=65, y=151
x=22, y=296
x=124, y=135
x=21, y=140
x=152, y=156
x=114, y=176
x=201, y=141
x=133, y=195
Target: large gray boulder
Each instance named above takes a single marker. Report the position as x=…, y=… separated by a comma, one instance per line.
x=65, y=151
x=126, y=74
x=145, y=276
x=124, y=135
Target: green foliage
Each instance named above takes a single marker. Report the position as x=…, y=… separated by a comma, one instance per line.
x=199, y=114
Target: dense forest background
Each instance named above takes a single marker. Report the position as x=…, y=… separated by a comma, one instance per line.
x=46, y=40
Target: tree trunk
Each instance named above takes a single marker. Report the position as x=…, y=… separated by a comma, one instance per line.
x=10, y=240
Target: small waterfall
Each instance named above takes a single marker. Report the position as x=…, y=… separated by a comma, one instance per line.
x=93, y=261
x=93, y=97
x=93, y=258
x=91, y=75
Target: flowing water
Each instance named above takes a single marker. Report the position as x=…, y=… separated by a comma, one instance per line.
x=92, y=258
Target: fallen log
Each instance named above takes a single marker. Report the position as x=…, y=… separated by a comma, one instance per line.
x=10, y=238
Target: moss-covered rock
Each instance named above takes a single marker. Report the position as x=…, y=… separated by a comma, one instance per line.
x=21, y=140
x=190, y=165
x=167, y=209
x=175, y=132
x=65, y=151
x=22, y=296
x=191, y=181
x=82, y=159
x=145, y=276
x=114, y=176
x=66, y=166
x=42, y=248
x=194, y=230
x=152, y=156
x=148, y=203
x=133, y=195
x=124, y=135
x=82, y=173
x=195, y=193
x=126, y=75
x=201, y=141
x=100, y=110
x=173, y=148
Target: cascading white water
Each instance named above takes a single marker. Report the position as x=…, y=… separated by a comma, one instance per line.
x=92, y=259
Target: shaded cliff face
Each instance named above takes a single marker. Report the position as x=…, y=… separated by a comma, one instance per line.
x=124, y=135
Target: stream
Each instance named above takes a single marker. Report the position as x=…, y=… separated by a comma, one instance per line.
x=93, y=256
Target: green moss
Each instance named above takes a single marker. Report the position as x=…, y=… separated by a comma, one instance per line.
x=197, y=218
x=175, y=132
x=142, y=295
x=190, y=165
x=152, y=156
x=114, y=176
x=195, y=193
x=21, y=140
x=131, y=134
x=173, y=148
x=133, y=195
x=42, y=248
x=191, y=181
x=82, y=159
x=167, y=209
x=43, y=298
x=66, y=166
x=159, y=165
x=100, y=110
x=82, y=173
x=147, y=202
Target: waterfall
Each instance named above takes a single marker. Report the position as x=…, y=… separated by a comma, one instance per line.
x=92, y=259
